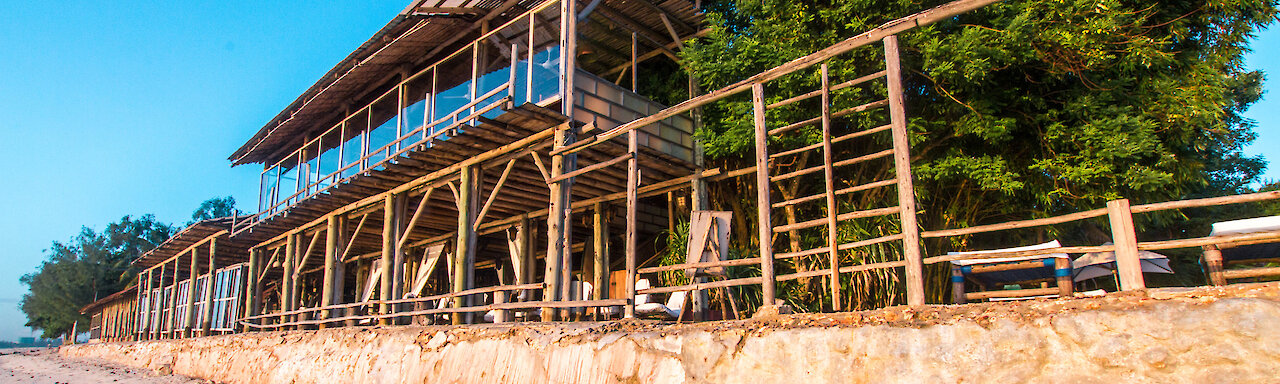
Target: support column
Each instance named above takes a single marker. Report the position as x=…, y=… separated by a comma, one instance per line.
x=397, y=254
x=286, y=277
x=833, y=234
x=902, y=167
x=331, y=254
x=600, y=251
x=193, y=274
x=557, y=225
x=253, y=287
x=145, y=295
x=206, y=319
x=633, y=200
x=763, y=204
x=464, y=269
x=173, y=300
x=388, y=254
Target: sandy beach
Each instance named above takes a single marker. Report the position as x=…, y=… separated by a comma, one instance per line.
x=44, y=365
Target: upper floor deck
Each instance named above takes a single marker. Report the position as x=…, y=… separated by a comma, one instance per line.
x=370, y=129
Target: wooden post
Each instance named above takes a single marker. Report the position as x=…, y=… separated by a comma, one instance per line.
x=331, y=255
x=1128, y=266
x=388, y=254
x=1062, y=271
x=557, y=223
x=206, y=318
x=957, y=285
x=144, y=317
x=762, y=198
x=1212, y=257
x=464, y=269
x=158, y=304
x=833, y=234
x=173, y=299
x=397, y=252
x=525, y=236
x=633, y=200
x=902, y=167
x=253, y=290
x=600, y=248
x=286, y=277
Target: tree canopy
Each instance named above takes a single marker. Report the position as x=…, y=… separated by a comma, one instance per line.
x=214, y=208
x=87, y=267
x=1024, y=108
x=93, y=265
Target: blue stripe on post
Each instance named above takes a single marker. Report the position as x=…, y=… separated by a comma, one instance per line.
x=957, y=279
x=1062, y=272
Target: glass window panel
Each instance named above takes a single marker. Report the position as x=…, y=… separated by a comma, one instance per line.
x=383, y=119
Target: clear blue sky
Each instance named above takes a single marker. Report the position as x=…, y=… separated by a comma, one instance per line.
x=132, y=107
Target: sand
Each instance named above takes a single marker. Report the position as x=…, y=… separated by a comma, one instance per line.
x=44, y=365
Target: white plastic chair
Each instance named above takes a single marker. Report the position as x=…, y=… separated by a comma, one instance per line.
x=670, y=310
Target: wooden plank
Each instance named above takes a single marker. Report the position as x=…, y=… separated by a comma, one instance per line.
x=1207, y=202
x=704, y=285
x=902, y=167
x=1128, y=266
x=765, y=216
x=631, y=237
x=829, y=179
x=841, y=163
x=1250, y=272
x=417, y=215
x=856, y=188
x=1015, y=224
x=1011, y=293
x=833, y=88
x=589, y=168
x=705, y=264
x=497, y=188
x=840, y=217
x=841, y=113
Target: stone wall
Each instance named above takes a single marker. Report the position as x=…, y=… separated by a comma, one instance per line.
x=1196, y=336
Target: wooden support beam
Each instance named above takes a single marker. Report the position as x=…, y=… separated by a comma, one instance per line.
x=286, y=278
x=332, y=258
x=828, y=173
x=388, y=254
x=193, y=274
x=902, y=166
x=206, y=319
x=600, y=251
x=1128, y=266
x=631, y=237
x=351, y=242
x=497, y=188
x=417, y=215
x=465, y=254
x=763, y=204
x=254, y=286
x=557, y=226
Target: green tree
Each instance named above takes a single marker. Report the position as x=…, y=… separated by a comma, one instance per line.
x=1024, y=108
x=214, y=208
x=87, y=267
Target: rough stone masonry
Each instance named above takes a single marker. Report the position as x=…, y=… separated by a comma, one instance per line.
x=1201, y=335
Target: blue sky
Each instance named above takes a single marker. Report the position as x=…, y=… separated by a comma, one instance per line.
x=132, y=107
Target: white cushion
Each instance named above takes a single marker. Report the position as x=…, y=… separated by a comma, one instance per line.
x=1233, y=227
